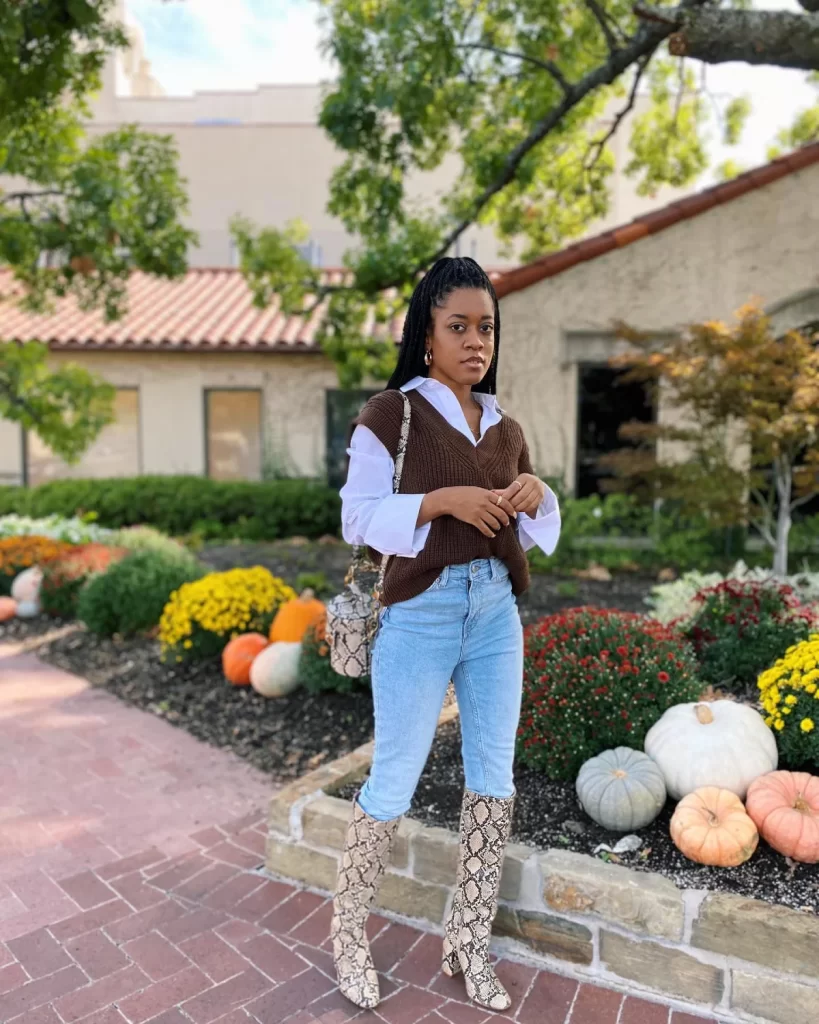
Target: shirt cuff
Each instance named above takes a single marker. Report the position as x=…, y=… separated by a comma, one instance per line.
x=392, y=529
x=542, y=530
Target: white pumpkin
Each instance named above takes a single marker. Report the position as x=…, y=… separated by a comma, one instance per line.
x=28, y=609
x=275, y=670
x=720, y=743
x=25, y=587
x=621, y=789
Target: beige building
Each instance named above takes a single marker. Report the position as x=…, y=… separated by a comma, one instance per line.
x=261, y=153
x=207, y=383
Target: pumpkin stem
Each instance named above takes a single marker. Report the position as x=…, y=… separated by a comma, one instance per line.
x=800, y=804
x=307, y=594
x=618, y=773
x=713, y=820
x=705, y=716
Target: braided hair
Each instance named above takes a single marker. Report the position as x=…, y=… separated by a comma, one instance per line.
x=445, y=277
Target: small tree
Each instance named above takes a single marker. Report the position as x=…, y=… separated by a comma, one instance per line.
x=79, y=215
x=742, y=405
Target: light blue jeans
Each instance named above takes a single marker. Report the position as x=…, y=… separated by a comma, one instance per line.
x=466, y=628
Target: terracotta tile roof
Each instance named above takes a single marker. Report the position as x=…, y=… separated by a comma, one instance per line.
x=651, y=223
x=209, y=309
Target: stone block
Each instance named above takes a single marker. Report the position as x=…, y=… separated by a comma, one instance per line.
x=774, y=999
x=408, y=896
x=435, y=855
x=352, y=767
x=762, y=933
x=301, y=864
x=642, y=902
x=661, y=968
x=325, y=822
x=399, y=855
x=545, y=933
x=512, y=876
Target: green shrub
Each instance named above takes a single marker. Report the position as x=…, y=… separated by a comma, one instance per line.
x=178, y=505
x=740, y=627
x=595, y=679
x=148, y=538
x=130, y=596
x=65, y=577
x=315, y=672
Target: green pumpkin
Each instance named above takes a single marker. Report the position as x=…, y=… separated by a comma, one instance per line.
x=621, y=789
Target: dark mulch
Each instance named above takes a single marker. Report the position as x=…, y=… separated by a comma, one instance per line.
x=548, y=816
x=20, y=630
x=284, y=737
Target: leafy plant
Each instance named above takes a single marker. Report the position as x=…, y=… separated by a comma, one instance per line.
x=19, y=553
x=130, y=597
x=64, y=577
x=790, y=696
x=740, y=626
x=315, y=671
x=595, y=679
x=73, y=530
x=315, y=581
x=202, y=616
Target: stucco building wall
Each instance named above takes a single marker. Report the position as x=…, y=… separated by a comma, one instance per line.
x=762, y=244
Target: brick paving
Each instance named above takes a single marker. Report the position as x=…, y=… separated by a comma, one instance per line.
x=132, y=891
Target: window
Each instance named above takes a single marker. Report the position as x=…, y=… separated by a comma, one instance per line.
x=341, y=409
x=605, y=404
x=233, y=430
x=116, y=452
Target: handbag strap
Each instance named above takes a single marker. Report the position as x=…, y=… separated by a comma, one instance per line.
x=359, y=559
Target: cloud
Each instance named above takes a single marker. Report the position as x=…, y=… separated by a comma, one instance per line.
x=213, y=44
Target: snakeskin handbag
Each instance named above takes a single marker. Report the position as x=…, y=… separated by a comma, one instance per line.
x=352, y=616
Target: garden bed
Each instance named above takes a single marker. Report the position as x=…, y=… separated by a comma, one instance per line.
x=283, y=737
x=546, y=595
x=548, y=816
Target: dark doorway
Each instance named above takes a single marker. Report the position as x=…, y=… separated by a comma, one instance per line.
x=605, y=403
x=342, y=407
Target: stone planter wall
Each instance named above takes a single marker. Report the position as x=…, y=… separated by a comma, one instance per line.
x=741, y=958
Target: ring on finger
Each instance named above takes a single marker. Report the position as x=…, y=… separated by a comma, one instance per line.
x=520, y=485
x=500, y=500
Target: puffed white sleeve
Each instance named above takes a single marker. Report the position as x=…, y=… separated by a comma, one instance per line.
x=543, y=529
x=370, y=513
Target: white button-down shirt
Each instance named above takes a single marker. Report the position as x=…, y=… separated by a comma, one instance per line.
x=373, y=515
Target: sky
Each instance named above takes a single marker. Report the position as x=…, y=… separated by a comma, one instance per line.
x=239, y=44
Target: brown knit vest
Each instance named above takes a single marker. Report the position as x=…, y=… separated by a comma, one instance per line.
x=438, y=456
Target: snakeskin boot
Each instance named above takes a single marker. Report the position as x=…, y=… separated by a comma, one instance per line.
x=485, y=825
x=366, y=852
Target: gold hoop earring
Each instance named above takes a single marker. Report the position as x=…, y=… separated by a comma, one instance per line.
x=428, y=357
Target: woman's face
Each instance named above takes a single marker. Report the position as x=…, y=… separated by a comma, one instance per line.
x=461, y=337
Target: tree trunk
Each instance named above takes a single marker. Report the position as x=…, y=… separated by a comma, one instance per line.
x=783, y=476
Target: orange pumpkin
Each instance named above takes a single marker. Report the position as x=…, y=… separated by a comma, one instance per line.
x=239, y=655
x=8, y=608
x=785, y=809
x=710, y=826
x=294, y=618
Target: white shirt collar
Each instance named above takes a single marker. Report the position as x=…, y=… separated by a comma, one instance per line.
x=430, y=384
x=444, y=400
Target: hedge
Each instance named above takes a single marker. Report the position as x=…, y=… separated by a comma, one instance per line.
x=180, y=505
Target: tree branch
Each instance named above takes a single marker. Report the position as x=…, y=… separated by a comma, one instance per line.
x=642, y=45
x=23, y=197
x=606, y=22
x=719, y=35
x=809, y=5
x=601, y=144
x=545, y=65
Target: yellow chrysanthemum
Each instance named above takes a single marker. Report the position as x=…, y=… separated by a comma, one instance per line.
x=806, y=725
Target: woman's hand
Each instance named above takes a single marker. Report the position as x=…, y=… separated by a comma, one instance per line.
x=486, y=510
x=525, y=494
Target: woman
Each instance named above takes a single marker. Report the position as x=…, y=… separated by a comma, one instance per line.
x=469, y=507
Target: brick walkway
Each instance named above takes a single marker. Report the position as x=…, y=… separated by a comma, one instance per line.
x=122, y=902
